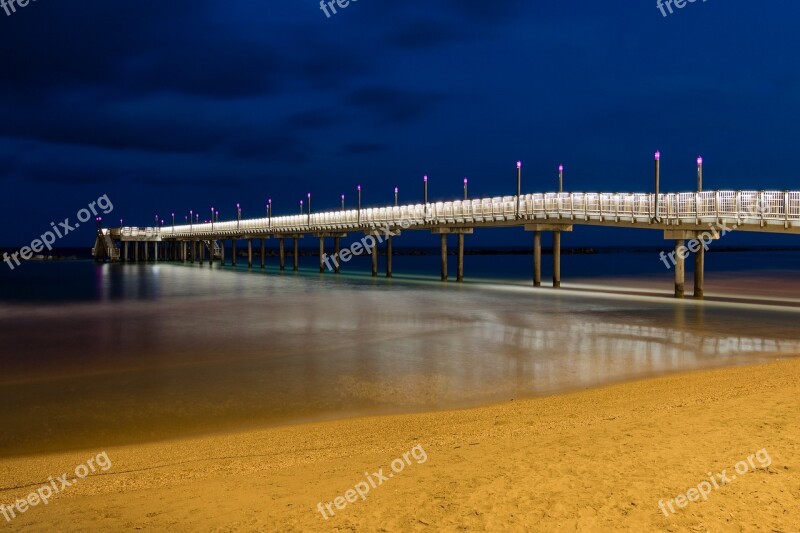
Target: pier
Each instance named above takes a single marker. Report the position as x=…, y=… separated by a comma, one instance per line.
x=689, y=220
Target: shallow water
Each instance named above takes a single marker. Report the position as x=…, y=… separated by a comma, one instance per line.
x=96, y=355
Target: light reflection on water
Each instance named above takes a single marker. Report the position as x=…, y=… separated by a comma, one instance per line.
x=169, y=350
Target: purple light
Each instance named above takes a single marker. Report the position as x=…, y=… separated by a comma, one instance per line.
x=465, y=181
x=359, y=187
x=658, y=156
x=309, y=195
x=426, y=179
x=395, y=190
x=519, y=164
x=561, y=168
x=699, y=161
x=343, y=197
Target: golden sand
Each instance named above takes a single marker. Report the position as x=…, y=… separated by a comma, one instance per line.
x=595, y=460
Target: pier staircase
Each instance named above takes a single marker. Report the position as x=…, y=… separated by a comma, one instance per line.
x=104, y=247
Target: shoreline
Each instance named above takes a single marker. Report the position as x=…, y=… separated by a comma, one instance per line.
x=532, y=461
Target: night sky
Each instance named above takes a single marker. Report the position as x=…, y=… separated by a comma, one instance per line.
x=175, y=105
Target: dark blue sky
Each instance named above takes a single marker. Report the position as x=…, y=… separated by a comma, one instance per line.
x=171, y=106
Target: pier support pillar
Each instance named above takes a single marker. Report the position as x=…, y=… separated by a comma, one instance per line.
x=222, y=252
x=296, y=255
x=699, y=273
x=233, y=252
x=155, y=251
x=680, y=268
x=336, y=255
x=321, y=255
x=249, y=253
x=135, y=251
x=146, y=252
x=557, y=259
x=460, y=266
x=444, y=256
x=125, y=251
x=282, y=254
x=697, y=241
x=537, y=258
x=389, y=256
x=375, y=256
x=263, y=254
x=201, y=245
x=183, y=251
x=537, y=230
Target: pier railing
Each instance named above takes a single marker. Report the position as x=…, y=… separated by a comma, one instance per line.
x=741, y=207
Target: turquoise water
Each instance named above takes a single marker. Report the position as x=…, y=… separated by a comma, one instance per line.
x=105, y=354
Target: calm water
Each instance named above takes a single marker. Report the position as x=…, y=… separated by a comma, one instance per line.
x=95, y=355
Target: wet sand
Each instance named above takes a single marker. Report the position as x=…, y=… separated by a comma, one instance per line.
x=599, y=459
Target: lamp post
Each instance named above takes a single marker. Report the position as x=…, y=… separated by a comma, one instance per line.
x=212, y=219
x=699, y=174
x=396, y=191
x=519, y=183
x=343, y=202
x=191, y=220
x=359, y=204
x=560, y=178
x=301, y=207
x=309, y=209
x=657, y=158
x=425, y=199
x=465, y=188
x=197, y=215
x=216, y=214
x=269, y=212
x=173, y=222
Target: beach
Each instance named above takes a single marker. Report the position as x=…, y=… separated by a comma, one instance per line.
x=598, y=459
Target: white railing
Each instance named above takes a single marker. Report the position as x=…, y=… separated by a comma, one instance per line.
x=745, y=207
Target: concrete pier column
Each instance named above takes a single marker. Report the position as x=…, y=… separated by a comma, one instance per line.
x=296, y=255
x=135, y=251
x=699, y=273
x=677, y=258
x=201, y=245
x=336, y=256
x=249, y=253
x=444, y=256
x=183, y=251
x=537, y=258
x=282, y=254
x=375, y=257
x=321, y=255
x=222, y=252
x=146, y=252
x=233, y=252
x=460, y=266
x=125, y=251
x=556, y=259
x=389, y=256
x=155, y=251
x=263, y=254
x=680, y=267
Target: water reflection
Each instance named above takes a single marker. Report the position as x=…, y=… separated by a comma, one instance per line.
x=170, y=350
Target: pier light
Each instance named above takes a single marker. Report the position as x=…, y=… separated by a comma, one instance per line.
x=173, y=221
x=198, y=217
x=657, y=197
x=301, y=207
x=699, y=174
x=309, y=208
x=425, y=198
x=519, y=184
x=359, y=204
x=560, y=178
x=396, y=191
x=465, y=188
x=343, y=202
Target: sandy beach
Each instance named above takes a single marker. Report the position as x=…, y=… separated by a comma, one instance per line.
x=599, y=459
